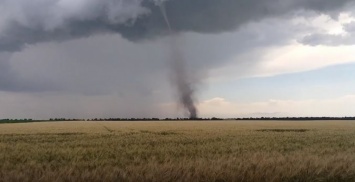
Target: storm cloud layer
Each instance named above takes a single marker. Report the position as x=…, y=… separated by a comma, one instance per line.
x=25, y=22
x=118, y=49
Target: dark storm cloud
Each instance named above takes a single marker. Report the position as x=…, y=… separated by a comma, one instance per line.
x=96, y=65
x=52, y=20
x=10, y=80
x=5, y=73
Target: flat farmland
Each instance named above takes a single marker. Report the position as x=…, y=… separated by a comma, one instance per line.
x=178, y=151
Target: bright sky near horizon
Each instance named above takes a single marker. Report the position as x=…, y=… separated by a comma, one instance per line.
x=109, y=58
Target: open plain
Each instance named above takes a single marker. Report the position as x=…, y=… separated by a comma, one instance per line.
x=178, y=151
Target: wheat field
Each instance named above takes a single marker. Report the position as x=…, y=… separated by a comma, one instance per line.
x=178, y=151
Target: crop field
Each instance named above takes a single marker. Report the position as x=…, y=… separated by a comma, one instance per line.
x=178, y=151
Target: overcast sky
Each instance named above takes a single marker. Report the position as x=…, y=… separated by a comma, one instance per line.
x=110, y=58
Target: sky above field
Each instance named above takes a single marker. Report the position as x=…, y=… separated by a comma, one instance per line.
x=110, y=58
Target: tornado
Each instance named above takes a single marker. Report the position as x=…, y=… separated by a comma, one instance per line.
x=180, y=76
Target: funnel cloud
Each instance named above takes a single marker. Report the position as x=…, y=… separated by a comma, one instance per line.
x=180, y=76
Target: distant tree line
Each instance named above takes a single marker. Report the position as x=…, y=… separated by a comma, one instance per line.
x=65, y=119
x=298, y=118
x=215, y=118
x=124, y=119
x=182, y=119
x=152, y=119
x=221, y=119
x=15, y=120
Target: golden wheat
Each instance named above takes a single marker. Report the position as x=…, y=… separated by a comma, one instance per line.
x=178, y=151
